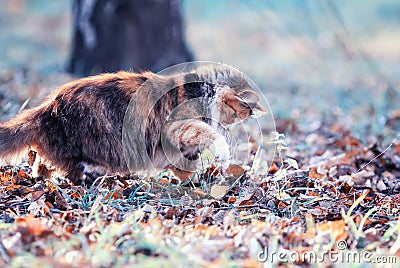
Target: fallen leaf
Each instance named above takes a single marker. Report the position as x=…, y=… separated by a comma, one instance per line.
x=313, y=174
x=283, y=196
x=337, y=229
x=218, y=191
x=235, y=170
x=39, y=207
x=33, y=226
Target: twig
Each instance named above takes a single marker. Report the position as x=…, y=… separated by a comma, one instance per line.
x=379, y=155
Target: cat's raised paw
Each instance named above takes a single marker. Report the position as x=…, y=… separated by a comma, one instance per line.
x=221, y=152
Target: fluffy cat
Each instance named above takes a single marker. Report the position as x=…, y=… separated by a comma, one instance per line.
x=125, y=122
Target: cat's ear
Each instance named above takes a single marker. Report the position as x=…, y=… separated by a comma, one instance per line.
x=248, y=96
x=258, y=110
x=238, y=105
x=253, y=100
x=245, y=103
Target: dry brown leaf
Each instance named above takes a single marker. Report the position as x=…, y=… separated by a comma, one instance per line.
x=235, y=170
x=218, y=191
x=115, y=194
x=31, y=157
x=246, y=203
x=273, y=169
x=39, y=207
x=337, y=229
x=199, y=191
x=283, y=196
x=60, y=201
x=348, y=141
x=171, y=213
x=232, y=199
x=32, y=226
x=313, y=174
x=281, y=205
x=23, y=174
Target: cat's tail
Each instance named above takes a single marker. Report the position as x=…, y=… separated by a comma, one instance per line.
x=16, y=135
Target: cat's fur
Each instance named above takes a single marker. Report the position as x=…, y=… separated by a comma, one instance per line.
x=81, y=124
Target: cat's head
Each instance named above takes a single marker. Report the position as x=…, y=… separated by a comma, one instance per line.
x=235, y=100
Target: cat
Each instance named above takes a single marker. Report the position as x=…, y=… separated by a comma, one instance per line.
x=125, y=122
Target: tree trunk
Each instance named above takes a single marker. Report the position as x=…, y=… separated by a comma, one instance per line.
x=138, y=35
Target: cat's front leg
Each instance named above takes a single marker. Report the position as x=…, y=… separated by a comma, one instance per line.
x=193, y=136
x=221, y=151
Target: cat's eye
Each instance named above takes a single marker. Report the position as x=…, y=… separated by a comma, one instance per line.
x=234, y=115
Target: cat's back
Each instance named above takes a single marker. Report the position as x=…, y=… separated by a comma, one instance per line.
x=82, y=120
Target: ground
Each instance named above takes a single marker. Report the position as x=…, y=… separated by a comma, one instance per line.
x=326, y=192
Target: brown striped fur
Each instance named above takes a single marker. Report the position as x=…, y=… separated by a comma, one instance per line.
x=80, y=124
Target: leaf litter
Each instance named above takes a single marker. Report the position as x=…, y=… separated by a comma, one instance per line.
x=323, y=190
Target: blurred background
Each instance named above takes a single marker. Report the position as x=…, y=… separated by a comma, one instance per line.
x=316, y=61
